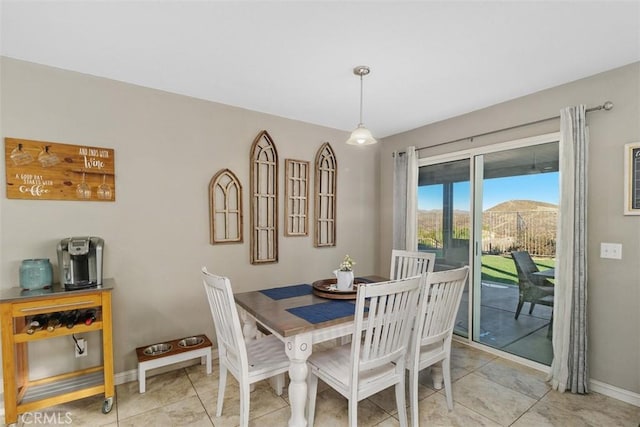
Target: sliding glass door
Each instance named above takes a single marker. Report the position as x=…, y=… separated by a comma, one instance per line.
x=478, y=209
x=444, y=221
x=516, y=212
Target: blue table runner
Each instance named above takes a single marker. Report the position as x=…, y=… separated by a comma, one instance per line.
x=297, y=290
x=288, y=291
x=325, y=311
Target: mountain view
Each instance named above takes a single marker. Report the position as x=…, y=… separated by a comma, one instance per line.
x=515, y=224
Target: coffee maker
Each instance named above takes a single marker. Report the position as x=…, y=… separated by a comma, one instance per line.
x=80, y=262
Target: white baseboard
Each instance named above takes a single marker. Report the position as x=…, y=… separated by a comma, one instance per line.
x=125, y=377
x=132, y=375
x=615, y=392
x=594, y=385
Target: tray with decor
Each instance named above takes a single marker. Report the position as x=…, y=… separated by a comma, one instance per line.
x=326, y=288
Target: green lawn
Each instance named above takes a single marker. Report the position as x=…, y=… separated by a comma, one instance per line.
x=501, y=269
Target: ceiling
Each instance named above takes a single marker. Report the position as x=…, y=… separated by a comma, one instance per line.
x=532, y=159
x=429, y=60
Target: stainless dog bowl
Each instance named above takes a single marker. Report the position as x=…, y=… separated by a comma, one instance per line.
x=190, y=342
x=156, y=349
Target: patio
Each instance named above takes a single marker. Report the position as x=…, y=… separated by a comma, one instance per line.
x=526, y=336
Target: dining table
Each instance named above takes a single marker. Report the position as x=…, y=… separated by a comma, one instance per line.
x=300, y=319
x=549, y=273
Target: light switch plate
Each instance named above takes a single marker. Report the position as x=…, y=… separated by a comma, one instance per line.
x=611, y=250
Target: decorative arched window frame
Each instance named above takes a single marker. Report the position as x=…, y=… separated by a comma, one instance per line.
x=225, y=208
x=264, y=200
x=325, y=214
x=296, y=200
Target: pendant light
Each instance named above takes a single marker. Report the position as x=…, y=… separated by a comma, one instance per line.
x=361, y=135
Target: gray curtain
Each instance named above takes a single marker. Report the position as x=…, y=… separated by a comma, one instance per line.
x=399, y=199
x=405, y=199
x=570, y=369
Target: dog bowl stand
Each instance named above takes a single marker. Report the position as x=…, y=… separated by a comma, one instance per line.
x=174, y=355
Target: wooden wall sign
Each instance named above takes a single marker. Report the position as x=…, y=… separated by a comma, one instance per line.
x=40, y=170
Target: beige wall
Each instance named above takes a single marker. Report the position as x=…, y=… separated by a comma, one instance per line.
x=613, y=285
x=167, y=148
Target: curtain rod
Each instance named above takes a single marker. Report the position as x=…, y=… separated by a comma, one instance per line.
x=608, y=105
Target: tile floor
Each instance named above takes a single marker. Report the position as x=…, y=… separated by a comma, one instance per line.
x=527, y=337
x=487, y=390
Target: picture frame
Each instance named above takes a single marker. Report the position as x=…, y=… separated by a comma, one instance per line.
x=632, y=178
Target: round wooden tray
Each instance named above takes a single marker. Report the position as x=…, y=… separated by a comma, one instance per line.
x=324, y=288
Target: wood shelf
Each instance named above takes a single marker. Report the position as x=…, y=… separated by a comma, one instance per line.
x=24, y=395
x=39, y=394
x=60, y=331
x=92, y=172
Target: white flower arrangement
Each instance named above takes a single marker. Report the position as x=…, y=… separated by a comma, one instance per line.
x=347, y=264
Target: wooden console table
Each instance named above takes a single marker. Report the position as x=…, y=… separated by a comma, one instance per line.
x=24, y=395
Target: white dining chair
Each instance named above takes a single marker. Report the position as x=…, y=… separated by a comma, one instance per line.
x=410, y=263
x=431, y=337
x=383, y=319
x=248, y=361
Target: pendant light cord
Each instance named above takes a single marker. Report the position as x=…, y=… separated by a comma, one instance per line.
x=360, y=123
x=361, y=135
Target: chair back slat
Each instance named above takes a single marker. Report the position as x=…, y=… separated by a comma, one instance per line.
x=410, y=263
x=385, y=325
x=440, y=300
x=225, y=318
x=524, y=263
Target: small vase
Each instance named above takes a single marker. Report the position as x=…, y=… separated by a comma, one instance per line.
x=344, y=280
x=35, y=273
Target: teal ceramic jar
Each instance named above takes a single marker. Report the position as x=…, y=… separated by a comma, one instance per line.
x=35, y=273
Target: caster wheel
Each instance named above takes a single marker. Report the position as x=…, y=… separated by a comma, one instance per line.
x=107, y=405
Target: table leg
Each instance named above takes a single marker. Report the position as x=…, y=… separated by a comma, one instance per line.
x=249, y=328
x=107, y=346
x=436, y=375
x=298, y=348
x=249, y=331
x=142, y=375
x=9, y=365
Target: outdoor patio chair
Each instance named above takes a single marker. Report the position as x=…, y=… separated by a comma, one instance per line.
x=248, y=361
x=533, y=289
x=408, y=263
x=431, y=337
x=383, y=318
